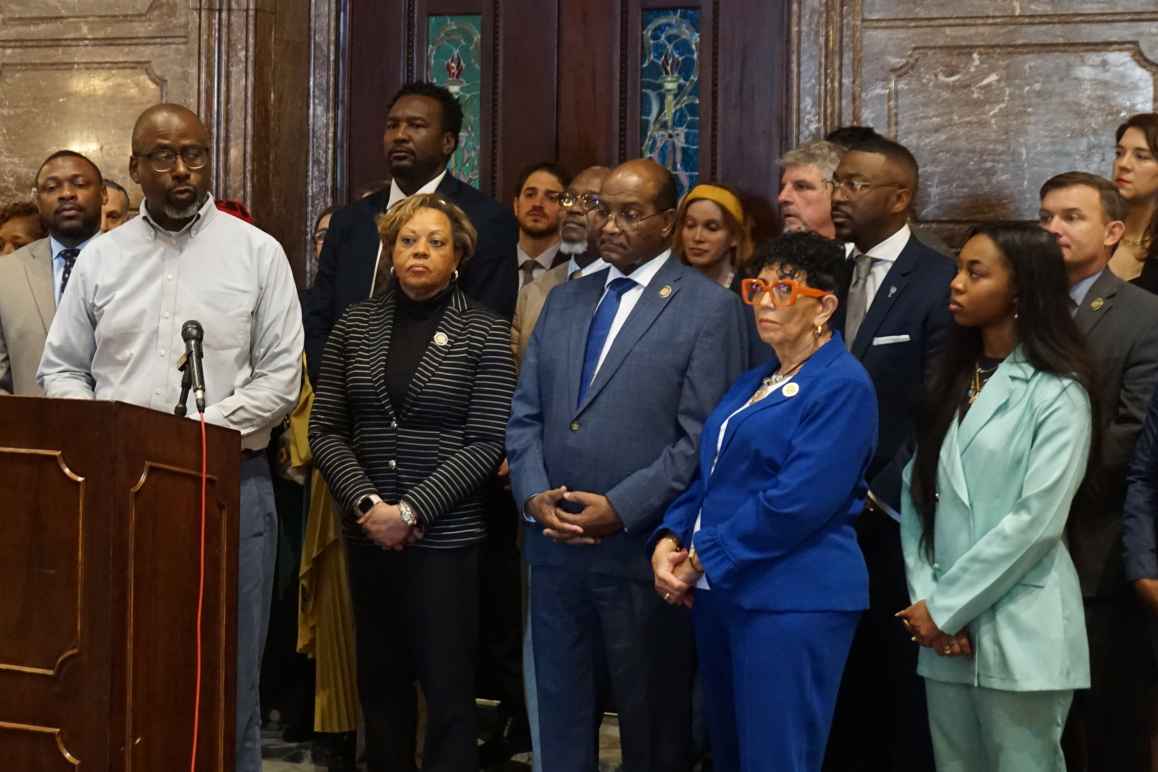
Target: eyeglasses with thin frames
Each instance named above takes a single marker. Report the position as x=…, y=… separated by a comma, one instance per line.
x=164, y=159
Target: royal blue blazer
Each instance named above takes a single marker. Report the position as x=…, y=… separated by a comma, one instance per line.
x=776, y=531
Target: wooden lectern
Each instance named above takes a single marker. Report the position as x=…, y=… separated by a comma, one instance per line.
x=99, y=541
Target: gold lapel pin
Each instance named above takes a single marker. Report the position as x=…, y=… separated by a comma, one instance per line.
x=440, y=338
x=1097, y=304
x=791, y=389
x=665, y=291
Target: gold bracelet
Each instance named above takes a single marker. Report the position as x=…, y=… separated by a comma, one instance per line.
x=694, y=559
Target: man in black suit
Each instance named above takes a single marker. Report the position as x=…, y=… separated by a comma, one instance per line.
x=896, y=318
x=1109, y=727
x=421, y=135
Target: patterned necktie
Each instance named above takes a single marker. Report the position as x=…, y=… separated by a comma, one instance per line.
x=858, y=301
x=600, y=328
x=527, y=271
x=69, y=258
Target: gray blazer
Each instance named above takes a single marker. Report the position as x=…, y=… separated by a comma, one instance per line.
x=634, y=437
x=1120, y=322
x=27, y=305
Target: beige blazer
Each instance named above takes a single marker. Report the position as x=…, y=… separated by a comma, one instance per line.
x=530, y=305
x=27, y=306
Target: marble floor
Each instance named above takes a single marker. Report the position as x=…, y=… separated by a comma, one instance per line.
x=280, y=756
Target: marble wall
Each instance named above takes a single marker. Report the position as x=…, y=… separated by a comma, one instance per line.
x=76, y=73
x=992, y=97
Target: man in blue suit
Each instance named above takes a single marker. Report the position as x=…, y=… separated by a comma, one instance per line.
x=896, y=319
x=622, y=369
x=421, y=135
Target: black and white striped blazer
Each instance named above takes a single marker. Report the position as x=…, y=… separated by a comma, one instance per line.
x=443, y=445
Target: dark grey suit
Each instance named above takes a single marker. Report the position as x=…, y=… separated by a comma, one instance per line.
x=1120, y=322
x=633, y=439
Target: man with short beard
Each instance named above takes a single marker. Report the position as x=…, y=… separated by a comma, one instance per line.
x=117, y=336
x=68, y=196
x=537, y=212
x=578, y=241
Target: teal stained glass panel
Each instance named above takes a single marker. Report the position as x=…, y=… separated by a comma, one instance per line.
x=669, y=94
x=454, y=60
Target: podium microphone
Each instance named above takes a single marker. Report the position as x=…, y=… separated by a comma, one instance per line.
x=192, y=334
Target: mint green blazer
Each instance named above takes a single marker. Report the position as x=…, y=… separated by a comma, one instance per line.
x=1005, y=479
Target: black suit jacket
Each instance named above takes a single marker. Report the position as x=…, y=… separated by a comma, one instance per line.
x=1120, y=322
x=438, y=449
x=904, y=329
x=346, y=266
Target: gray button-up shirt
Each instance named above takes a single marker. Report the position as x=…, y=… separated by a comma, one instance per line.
x=117, y=332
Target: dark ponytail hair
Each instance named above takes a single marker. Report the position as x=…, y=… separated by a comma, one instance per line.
x=1046, y=332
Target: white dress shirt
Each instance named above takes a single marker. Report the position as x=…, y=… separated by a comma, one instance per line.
x=397, y=195
x=642, y=276
x=884, y=255
x=58, y=265
x=118, y=335
x=598, y=264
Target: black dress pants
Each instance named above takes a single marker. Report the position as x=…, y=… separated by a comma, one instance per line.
x=881, y=722
x=416, y=613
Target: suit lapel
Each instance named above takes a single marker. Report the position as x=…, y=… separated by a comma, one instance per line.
x=651, y=303
x=996, y=392
x=1098, y=301
x=891, y=288
x=448, y=334
x=379, y=334
x=38, y=269
x=949, y=462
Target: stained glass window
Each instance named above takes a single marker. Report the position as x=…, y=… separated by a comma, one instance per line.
x=669, y=94
x=454, y=60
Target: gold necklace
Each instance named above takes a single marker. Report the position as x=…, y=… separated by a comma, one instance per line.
x=978, y=383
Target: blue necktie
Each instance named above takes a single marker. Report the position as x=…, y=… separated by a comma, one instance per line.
x=69, y=258
x=600, y=328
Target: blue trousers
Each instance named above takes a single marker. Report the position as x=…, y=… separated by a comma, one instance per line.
x=256, y=554
x=770, y=681
x=993, y=730
x=530, y=689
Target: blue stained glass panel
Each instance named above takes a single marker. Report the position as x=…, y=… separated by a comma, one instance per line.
x=669, y=93
x=454, y=60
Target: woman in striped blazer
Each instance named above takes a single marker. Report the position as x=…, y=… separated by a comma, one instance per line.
x=412, y=402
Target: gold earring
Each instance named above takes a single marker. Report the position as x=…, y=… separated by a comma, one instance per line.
x=819, y=330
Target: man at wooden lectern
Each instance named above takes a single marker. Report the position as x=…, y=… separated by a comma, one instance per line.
x=117, y=336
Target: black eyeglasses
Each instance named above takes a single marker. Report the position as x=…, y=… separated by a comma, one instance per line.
x=164, y=159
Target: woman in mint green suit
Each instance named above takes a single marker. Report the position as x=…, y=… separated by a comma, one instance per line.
x=1001, y=452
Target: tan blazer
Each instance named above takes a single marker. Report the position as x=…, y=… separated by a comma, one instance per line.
x=530, y=305
x=27, y=305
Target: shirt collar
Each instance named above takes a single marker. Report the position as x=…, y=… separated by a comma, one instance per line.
x=57, y=247
x=546, y=259
x=644, y=273
x=595, y=265
x=204, y=216
x=1078, y=291
x=397, y=195
x=890, y=249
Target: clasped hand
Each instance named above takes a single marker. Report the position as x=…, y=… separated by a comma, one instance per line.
x=589, y=525
x=675, y=578
x=924, y=632
x=383, y=524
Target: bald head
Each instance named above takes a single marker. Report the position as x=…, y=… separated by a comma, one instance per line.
x=165, y=117
x=590, y=180
x=171, y=163
x=639, y=199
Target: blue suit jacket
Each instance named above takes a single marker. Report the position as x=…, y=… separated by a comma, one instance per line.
x=634, y=437
x=776, y=529
x=905, y=327
x=1140, y=513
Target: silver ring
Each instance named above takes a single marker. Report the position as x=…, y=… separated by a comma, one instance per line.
x=667, y=597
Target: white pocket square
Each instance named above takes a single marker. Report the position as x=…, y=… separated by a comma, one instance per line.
x=885, y=340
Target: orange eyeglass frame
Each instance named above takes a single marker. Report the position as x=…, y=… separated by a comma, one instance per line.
x=751, y=291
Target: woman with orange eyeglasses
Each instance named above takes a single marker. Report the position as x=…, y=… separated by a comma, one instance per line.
x=761, y=544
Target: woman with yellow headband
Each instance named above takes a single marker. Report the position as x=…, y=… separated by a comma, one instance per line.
x=713, y=234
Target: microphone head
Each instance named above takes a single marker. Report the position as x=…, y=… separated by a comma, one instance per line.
x=191, y=331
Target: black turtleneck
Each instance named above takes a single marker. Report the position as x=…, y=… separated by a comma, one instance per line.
x=415, y=322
